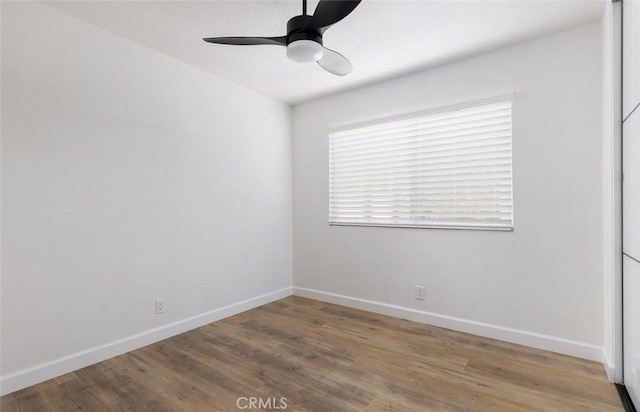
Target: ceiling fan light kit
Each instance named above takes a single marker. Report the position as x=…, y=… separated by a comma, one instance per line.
x=304, y=51
x=303, y=41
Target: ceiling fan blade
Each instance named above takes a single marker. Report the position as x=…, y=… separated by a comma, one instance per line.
x=329, y=12
x=335, y=63
x=248, y=41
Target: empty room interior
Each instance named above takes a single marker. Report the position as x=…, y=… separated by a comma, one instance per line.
x=377, y=205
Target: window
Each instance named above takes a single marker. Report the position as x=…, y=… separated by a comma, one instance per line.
x=449, y=168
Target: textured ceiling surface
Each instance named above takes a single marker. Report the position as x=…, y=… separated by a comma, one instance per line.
x=381, y=38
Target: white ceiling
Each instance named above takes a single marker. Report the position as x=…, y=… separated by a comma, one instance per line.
x=381, y=38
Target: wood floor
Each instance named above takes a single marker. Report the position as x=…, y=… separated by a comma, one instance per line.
x=303, y=355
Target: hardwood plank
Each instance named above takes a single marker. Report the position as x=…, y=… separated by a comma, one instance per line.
x=323, y=357
x=29, y=399
x=116, y=388
x=383, y=403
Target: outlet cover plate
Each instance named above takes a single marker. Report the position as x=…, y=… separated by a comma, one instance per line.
x=159, y=306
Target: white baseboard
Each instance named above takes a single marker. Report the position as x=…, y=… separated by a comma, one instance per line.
x=522, y=337
x=609, y=367
x=611, y=372
x=27, y=377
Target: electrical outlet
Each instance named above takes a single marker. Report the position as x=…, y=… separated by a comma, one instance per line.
x=420, y=292
x=159, y=306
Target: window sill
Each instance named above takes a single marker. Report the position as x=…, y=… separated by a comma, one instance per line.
x=448, y=227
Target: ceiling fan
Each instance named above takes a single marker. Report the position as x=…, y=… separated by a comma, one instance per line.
x=304, y=36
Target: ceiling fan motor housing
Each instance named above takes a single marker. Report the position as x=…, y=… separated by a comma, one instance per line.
x=298, y=28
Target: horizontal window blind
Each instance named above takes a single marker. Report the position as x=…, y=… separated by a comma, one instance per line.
x=441, y=169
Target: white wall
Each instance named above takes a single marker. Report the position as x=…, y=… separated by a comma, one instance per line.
x=540, y=284
x=127, y=176
x=611, y=190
